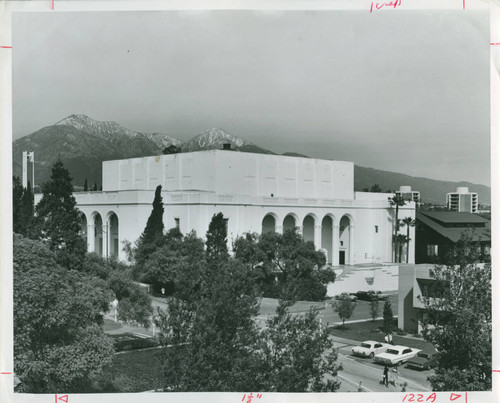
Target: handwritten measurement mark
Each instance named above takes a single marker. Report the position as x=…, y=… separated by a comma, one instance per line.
x=250, y=397
x=6, y=373
x=379, y=6
x=63, y=398
x=6, y=47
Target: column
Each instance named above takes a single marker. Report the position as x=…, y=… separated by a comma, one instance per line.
x=351, y=244
x=279, y=229
x=335, y=246
x=105, y=239
x=91, y=238
x=317, y=237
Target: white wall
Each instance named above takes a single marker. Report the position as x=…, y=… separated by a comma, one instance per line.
x=231, y=172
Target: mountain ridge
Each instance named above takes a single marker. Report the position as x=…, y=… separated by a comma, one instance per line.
x=83, y=143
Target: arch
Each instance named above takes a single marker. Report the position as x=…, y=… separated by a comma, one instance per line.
x=269, y=223
x=345, y=246
x=308, y=227
x=113, y=234
x=84, y=227
x=289, y=222
x=327, y=237
x=98, y=234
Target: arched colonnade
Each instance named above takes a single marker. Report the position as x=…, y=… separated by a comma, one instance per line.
x=334, y=237
x=101, y=234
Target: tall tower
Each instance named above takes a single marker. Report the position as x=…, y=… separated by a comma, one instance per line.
x=28, y=157
x=462, y=200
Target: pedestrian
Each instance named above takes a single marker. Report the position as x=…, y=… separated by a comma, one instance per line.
x=385, y=379
x=386, y=338
x=390, y=338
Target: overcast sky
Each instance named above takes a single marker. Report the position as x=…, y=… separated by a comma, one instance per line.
x=404, y=91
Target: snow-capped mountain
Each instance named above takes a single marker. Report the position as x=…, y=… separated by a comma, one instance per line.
x=110, y=130
x=213, y=139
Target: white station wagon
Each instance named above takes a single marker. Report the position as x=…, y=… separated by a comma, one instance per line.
x=370, y=348
x=396, y=355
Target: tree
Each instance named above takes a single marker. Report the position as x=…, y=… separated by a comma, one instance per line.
x=457, y=319
x=85, y=185
x=396, y=201
x=344, y=307
x=175, y=266
x=57, y=220
x=17, y=205
x=94, y=188
x=216, y=245
x=59, y=343
x=409, y=222
x=376, y=189
x=388, y=325
x=22, y=207
x=134, y=302
x=299, y=267
x=152, y=236
x=374, y=308
x=297, y=355
x=213, y=335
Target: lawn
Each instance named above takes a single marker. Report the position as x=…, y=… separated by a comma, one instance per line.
x=268, y=306
x=363, y=331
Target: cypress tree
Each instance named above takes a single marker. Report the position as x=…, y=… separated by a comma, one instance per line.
x=216, y=244
x=85, y=185
x=17, y=201
x=152, y=236
x=388, y=316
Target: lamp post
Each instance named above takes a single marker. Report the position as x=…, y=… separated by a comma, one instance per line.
x=115, y=305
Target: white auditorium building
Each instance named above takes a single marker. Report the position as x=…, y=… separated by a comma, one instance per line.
x=255, y=193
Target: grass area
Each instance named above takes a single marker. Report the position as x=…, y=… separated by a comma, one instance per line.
x=268, y=306
x=363, y=331
x=111, y=325
x=134, y=371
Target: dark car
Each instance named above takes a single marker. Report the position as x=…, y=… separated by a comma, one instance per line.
x=422, y=361
x=369, y=295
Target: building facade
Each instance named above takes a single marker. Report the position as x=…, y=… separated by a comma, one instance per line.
x=462, y=201
x=255, y=193
x=438, y=232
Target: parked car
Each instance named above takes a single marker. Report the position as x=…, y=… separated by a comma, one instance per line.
x=370, y=348
x=396, y=355
x=422, y=361
x=351, y=297
x=369, y=295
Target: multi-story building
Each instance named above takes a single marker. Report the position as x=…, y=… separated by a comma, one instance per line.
x=462, y=201
x=255, y=193
x=438, y=231
x=406, y=193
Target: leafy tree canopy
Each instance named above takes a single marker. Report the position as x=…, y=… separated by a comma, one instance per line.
x=297, y=265
x=59, y=343
x=457, y=319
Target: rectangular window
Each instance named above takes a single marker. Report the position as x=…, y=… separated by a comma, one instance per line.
x=226, y=223
x=432, y=250
x=376, y=229
x=177, y=223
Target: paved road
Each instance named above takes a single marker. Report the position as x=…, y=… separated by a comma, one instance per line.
x=358, y=369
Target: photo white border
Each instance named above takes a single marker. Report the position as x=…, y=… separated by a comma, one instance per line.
x=6, y=280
